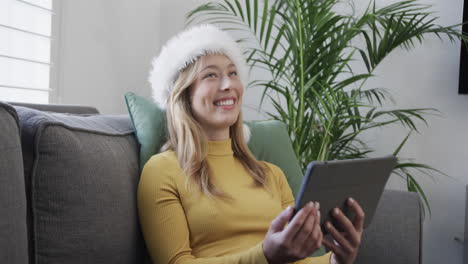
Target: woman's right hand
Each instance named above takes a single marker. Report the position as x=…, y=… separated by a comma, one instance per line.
x=298, y=240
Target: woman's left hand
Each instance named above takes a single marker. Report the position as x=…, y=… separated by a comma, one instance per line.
x=346, y=244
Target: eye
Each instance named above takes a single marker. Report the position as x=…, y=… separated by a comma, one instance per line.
x=233, y=73
x=209, y=75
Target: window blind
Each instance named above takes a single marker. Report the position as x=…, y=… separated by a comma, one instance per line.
x=25, y=41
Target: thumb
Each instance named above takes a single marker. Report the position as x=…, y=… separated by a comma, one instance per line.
x=280, y=221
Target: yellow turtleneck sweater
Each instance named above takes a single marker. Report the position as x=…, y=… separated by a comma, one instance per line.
x=181, y=226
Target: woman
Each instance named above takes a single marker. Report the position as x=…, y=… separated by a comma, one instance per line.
x=205, y=198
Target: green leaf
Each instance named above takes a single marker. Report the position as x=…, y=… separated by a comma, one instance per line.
x=395, y=153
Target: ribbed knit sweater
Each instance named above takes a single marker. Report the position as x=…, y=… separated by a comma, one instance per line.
x=185, y=226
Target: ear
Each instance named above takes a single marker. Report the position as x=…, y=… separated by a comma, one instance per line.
x=246, y=131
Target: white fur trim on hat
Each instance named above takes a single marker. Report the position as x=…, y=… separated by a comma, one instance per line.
x=184, y=49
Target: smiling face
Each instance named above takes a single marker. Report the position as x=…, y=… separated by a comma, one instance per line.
x=216, y=96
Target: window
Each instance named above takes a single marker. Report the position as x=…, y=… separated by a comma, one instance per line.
x=25, y=53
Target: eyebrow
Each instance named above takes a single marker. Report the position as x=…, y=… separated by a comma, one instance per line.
x=216, y=67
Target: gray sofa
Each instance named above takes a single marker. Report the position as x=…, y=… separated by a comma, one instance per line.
x=68, y=181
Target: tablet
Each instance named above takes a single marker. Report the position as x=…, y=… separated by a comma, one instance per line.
x=332, y=182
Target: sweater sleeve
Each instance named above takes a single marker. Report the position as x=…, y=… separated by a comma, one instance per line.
x=164, y=224
x=287, y=199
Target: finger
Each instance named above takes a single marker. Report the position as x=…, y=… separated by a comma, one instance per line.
x=316, y=227
x=317, y=235
x=280, y=221
x=296, y=224
x=318, y=219
x=305, y=239
x=345, y=223
x=358, y=221
x=315, y=241
x=332, y=247
x=338, y=237
x=306, y=230
x=320, y=237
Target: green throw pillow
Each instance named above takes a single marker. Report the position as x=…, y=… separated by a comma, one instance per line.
x=149, y=122
x=269, y=140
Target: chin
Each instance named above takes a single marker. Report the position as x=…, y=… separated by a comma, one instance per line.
x=228, y=124
x=225, y=123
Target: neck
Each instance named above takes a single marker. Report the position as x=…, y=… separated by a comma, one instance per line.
x=217, y=134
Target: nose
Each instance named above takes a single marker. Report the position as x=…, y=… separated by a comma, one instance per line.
x=226, y=84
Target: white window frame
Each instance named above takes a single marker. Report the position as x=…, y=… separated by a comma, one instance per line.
x=53, y=62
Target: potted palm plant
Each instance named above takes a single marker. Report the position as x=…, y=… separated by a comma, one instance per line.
x=308, y=48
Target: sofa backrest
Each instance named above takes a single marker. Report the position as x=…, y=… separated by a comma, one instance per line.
x=81, y=176
x=13, y=228
x=59, y=108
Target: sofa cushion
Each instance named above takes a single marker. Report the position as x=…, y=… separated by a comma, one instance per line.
x=395, y=234
x=13, y=228
x=82, y=176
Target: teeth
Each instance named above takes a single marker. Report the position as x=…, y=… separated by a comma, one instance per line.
x=225, y=102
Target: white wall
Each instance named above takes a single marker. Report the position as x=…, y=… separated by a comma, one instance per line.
x=106, y=48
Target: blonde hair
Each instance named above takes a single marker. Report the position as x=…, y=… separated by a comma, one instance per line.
x=187, y=138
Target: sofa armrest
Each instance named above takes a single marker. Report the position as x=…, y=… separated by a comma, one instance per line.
x=13, y=226
x=395, y=234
